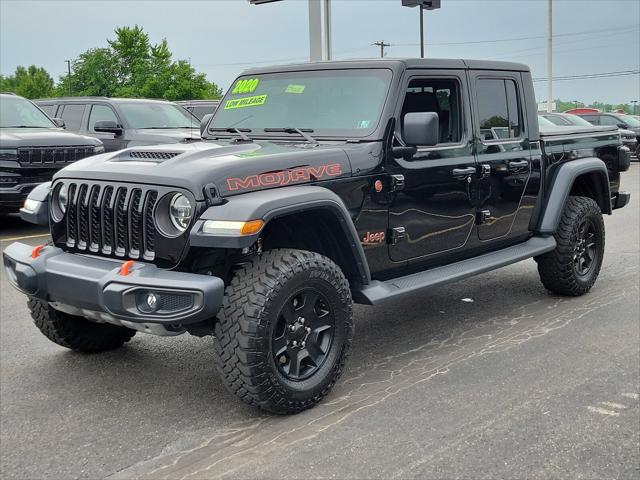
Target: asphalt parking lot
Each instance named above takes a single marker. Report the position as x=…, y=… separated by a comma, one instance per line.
x=516, y=383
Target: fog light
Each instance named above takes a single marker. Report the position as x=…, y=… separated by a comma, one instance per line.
x=152, y=301
x=31, y=205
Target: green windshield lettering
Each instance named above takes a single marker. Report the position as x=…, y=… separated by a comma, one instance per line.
x=248, y=85
x=245, y=102
x=295, y=89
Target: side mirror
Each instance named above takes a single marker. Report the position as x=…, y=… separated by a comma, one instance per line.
x=59, y=122
x=107, y=126
x=421, y=129
x=204, y=122
x=622, y=125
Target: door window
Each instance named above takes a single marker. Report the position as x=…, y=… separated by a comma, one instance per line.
x=49, y=110
x=609, y=120
x=101, y=113
x=499, y=112
x=441, y=96
x=72, y=116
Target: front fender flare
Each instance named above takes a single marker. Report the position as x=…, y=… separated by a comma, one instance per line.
x=561, y=183
x=267, y=205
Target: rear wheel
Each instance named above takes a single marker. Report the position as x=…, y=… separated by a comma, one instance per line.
x=573, y=267
x=285, y=330
x=77, y=333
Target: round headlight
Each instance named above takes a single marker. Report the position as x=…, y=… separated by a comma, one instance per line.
x=180, y=212
x=63, y=198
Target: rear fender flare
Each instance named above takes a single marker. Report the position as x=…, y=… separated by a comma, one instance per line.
x=560, y=187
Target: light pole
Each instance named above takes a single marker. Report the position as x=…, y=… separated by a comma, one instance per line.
x=319, y=28
x=69, y=75
x=424, y=5
x=549, y=56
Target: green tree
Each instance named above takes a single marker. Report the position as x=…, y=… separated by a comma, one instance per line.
x=31, y=82
x=93, y=74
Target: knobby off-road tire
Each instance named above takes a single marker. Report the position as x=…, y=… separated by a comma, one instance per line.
x=284, y=331
x=573, y=267
x=77, y=333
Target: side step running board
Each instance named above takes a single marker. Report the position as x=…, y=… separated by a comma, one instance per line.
x=378, y=292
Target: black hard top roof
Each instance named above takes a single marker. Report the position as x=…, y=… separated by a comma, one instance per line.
x=395, y=64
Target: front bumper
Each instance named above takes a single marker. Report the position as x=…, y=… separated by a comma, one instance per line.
x=94, y=287
x=621, y=199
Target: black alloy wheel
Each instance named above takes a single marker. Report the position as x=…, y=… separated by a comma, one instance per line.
x=586, y=248
x=303, y=334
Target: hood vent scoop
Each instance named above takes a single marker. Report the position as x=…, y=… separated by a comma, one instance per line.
x=152, y=155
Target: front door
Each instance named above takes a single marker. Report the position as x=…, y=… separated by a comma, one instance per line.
x=503, y=154
x=433, y=205
x=111, y=141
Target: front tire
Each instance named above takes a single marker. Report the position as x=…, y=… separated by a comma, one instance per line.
x=573, y=267
x=284, y=331
x=77, y=333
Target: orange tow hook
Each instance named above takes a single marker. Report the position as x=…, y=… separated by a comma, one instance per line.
x=125, y=269
x=35, y=253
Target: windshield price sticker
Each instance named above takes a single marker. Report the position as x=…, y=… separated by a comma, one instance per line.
x=245, y=102
x=295, y=89
x=245, y=86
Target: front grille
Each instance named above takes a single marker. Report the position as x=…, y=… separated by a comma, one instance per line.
x=153, y=155
x=111, y=220
x=53, y=155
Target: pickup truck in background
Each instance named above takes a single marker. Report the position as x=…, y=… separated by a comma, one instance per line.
x=317, y=185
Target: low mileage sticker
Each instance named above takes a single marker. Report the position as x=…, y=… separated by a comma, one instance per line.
x=245, y=102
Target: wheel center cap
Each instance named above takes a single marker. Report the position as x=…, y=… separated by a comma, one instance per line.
x=299, y=332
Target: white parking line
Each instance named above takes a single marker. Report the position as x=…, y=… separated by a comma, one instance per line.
x=13, y=239
x=603, y=411
x=617, y=406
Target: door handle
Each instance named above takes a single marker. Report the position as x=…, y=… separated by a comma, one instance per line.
x=462, y=173
x=517, y=165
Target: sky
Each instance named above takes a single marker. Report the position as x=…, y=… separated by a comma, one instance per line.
x=223, y=37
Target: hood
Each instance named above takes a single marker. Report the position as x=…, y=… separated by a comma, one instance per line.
x=41, y=137
x=170, y=135
x=233, y=167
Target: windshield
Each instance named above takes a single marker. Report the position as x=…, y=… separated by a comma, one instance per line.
x=544, y=122
x=629, y=120
x=157, y=115
x=343, y=103
x=19, y=112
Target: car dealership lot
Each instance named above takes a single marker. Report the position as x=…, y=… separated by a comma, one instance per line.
x=516, y=383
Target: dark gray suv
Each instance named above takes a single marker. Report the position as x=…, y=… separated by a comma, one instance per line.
x=124, y=122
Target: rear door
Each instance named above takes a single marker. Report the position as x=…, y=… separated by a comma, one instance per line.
x=434, y=199
x=503, y=154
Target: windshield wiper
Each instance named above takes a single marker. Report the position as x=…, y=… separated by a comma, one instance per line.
x=299, y=131
x=164, y=128
x=237, y=131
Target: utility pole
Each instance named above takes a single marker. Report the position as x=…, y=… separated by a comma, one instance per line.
x=69, y=75
x=382, y=45
x=549, y=56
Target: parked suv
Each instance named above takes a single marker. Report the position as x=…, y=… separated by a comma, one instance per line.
x=124, y=122
x=32, y=148
x=200, y=108
x=620, y=120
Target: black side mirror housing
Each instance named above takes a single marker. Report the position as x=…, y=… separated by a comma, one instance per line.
x=204, y=122
x=107, y=126
x=421, y=129
x=59, y=122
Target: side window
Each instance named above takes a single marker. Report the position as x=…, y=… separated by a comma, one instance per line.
x=101, y=113
x=609, y=120
x=50, y=110
x=498, y=109
x=592, y=119
x=72, y=116
x=441, y=96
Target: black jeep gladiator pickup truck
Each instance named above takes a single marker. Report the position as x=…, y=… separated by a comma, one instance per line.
x=317, y=185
